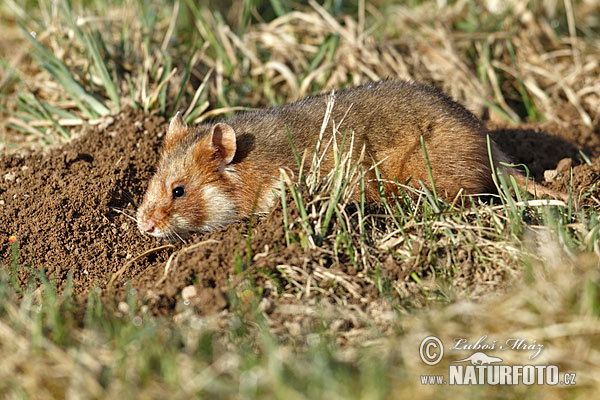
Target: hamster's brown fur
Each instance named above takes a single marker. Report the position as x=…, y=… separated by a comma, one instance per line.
x=224, y=169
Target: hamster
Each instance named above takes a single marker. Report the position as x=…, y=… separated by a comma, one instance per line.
x=217, y=173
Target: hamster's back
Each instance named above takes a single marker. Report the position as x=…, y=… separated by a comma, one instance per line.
x=388, y=118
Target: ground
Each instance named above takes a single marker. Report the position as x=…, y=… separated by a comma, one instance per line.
x=71, y=209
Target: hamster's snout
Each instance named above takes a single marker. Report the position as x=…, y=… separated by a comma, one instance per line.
x=145, y=226
x=147, y=222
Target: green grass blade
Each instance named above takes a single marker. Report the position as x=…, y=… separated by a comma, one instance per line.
x=49, y=117
x=278, y=7
x=528, y=101
x=92, y=41
x=210, y=36
x=184, y=82
x=87, y=103
x=321, y=53
x=285, y=214
x=162, y=96
x=430, y=173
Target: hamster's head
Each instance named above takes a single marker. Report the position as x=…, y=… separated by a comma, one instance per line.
x=190, y=191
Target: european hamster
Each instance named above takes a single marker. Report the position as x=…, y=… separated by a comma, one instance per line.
x=213, y=174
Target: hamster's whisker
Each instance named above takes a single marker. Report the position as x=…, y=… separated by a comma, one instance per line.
x=124, y=212
x=178, y=236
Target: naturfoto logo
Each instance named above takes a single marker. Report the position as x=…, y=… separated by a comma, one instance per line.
x=481, y=368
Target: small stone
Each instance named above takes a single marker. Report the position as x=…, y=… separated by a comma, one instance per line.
x=10, y=176
x=336, y=325
x=188, y=292
x=550, y=175
x=564, y=165
x=123, y=307
x=293, y=328
x=265, y=305
x=151, y=295
x=106, y=122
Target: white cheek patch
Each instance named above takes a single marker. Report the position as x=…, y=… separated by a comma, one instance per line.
x=269, y=195
x=178, y=223
x=220, y=209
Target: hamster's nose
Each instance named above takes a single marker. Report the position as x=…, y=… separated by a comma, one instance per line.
x=146, y=226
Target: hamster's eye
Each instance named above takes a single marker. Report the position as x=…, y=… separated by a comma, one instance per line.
x=178, y=191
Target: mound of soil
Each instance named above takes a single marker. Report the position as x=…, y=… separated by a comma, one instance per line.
x=71, y=210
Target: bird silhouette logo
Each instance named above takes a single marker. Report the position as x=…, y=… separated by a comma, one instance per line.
x=480, y=358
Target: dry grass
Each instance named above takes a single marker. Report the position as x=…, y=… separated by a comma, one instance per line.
x=422, y=43
x=503, y=59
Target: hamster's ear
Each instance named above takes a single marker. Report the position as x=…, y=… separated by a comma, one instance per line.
x=222, y=137
x=177, y=131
